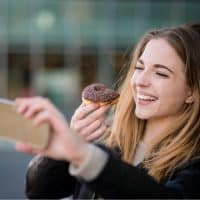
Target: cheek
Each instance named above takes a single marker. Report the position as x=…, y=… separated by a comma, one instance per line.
x=173, y=97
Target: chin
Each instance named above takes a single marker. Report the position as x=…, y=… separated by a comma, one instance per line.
x=142, y=116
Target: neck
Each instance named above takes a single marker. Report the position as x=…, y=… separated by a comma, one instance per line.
x=155, y=128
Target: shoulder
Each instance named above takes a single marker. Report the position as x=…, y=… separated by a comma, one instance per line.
x=186, y=179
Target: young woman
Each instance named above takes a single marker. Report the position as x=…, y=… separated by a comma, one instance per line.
x=154, y=142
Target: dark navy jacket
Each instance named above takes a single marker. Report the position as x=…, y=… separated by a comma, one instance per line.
x=49, y=179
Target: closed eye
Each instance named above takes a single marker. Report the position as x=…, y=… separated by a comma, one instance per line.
x=139, y=68
x=161, y=74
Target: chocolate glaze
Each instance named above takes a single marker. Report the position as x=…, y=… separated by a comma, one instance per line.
x=98, y=92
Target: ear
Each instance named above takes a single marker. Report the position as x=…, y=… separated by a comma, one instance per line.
x=190, y=97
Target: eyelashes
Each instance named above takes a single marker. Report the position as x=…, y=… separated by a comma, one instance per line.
x=163, y=75
x=139, y=68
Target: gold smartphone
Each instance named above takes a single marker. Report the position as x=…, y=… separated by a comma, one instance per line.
x=14, y=127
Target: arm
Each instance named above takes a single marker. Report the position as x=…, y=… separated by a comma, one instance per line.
x=47, y=178
x=114, y=179
x=121, y=180
x=118, y=179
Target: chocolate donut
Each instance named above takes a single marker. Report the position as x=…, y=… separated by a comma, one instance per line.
x=100, y=94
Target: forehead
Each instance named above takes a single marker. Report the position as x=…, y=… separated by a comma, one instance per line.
x=159, y=51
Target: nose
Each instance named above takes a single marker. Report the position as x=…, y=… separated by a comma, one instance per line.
x=142, y=79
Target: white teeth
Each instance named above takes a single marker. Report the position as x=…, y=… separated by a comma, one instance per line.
x=144, y=97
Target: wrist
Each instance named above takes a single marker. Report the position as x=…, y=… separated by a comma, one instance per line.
x=91, y=166
x=80, y=155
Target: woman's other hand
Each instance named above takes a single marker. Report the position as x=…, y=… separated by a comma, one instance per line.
x=63, y=144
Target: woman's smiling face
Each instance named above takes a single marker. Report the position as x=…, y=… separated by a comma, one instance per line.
x=159, y=82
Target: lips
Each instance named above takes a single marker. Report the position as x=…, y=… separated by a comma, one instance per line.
x=145, y=98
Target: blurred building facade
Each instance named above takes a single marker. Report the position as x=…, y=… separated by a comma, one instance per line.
x=54, y=48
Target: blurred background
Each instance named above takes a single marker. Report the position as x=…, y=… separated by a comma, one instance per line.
x=54, y=48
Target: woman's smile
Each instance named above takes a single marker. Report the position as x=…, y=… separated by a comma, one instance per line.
x=145, y=99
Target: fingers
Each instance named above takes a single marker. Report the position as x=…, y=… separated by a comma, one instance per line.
x=40, y=110
x=77, y=123
x=83, y=110
x=97, y=134
x=30, y=106
x=57, y=124
x=21, y=105
x=89, y=121
x=96, y=115
x=92, y=127
x=33, y=110
x=26, y=148
x=63, y=144
x=41, y=117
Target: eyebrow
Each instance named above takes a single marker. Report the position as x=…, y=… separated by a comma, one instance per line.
x=157, y=66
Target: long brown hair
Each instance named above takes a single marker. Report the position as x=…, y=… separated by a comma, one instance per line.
x=181, y=141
